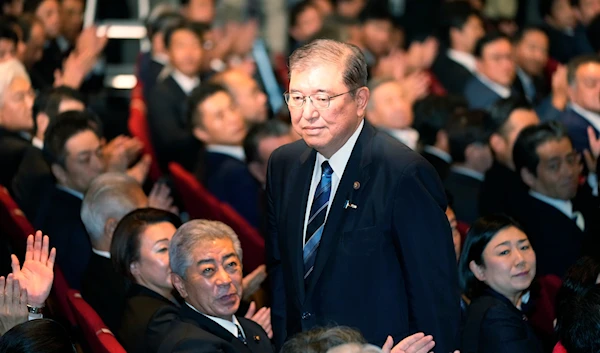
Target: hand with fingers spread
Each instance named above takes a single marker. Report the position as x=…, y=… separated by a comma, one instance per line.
x=252, y=281
x=261, y=317
x=13, y=303
x=140, y=170
x=160, y=198
x=591, y=155
x=37, y=273
x=417, y=343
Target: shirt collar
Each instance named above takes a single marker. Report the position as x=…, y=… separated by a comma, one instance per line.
x=231, y=326
x=161, y=58
x=524, y=76
x=464, y=59
x=468, y=172
x=186, y=83
x=590, y=116
x=75, y=193
x=104, y=254
x=339, y=160
x=408, y=136
x=236, y=152
x=36, y=142
x=500, y=90
x=443, y=155
x=564, y=206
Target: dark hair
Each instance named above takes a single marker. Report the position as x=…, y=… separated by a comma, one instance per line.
x=125, y=244
x=465, y=129
x=575, y=63
x=523, y=32
x=432, y=113
x=297, y=10
x=162, y=22
x=375, y=12
x=593, y=33
x=7, y=32
x=65, y=126
x=545, y=7
x=499, y=114
x=194, y=28
x=37, y=336
x=321, y=339
x=580, y=328
x=575, y=3
x=31, y=6
x=488, y=39
x=578, y=280
x=530, y=138
x=454, y=15
x=197, y=97
x=258, y=132
x=480, y=234
x=48, y=101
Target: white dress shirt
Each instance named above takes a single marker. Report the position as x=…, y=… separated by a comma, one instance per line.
x=236, y=152
x=231, y=326
x=466, y=60
x=591, y=117
x=564, y=206
x=468, y=172
x=443, y=155
x=408, y=136
x=36, y=142
x=104, y=254
x=186, y=83
x=75, y=193
x=338, y=163
x=500, y=90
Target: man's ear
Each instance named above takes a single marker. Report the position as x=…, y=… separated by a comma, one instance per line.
x=527, y=177
x=362, y=98
x=179, y=284
x=477, y=271
x=109, y=227
x=42, y=120
x=60, y=174
x=201, y=134
x=497, y=143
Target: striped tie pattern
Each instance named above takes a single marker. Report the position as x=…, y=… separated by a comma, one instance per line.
x=241, y=335
x=316, y=219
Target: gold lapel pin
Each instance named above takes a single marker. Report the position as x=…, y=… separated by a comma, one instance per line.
x=256, y=338
x=356, y=185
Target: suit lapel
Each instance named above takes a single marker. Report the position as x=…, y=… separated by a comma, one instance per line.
x=356, y=171
x=188, y=314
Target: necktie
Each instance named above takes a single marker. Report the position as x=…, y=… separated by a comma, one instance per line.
x=316, y=219
x=241, y=335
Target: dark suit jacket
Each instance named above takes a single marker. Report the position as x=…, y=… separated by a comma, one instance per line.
x=43, y=71
x=229, y=180
x=441, y=166
x=564, y=47
x=12, y=150
x=501, y=190
x=540, y=85
x=59, y=217
x=149, y=70
x=32, y=180
x=465, y=192
x=452, y=75
x=171, y=136
x=104, y=289
x=146, y=318
x=478, y=95
x=399, y=215
x=194, y=332
x=495, y=325
x=577, y=127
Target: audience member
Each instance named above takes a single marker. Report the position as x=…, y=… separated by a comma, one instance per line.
x=8, y=42
x=580, y=329
x=375, y=33
x=12, y=7
x=305, y=21
x=260, y=142
x=34, y=37
x=71, y=23
x=531, y=56
x=44, y=335
x=13, y=303
x=586, y=10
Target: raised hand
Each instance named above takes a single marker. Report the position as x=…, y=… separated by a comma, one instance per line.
x=37, y=274
x=13, y=303
x=417, y=343
x=591, y=154
x=160, y=197
x=262, y=317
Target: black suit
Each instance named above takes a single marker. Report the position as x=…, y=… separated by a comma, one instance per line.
x=42, y=72
x=146, y=318
x=376, y=268
x=149, y=70
x=171, y=135
x=465, y=192
x=495, y=325
x=104, y=289
x=452, y=75
x=194, y=332
x=564, y=47
x=32, y=180
x=12, y=150
x=441, y=166
x=501, y=190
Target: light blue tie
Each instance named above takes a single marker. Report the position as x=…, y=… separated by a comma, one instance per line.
x=316, y=219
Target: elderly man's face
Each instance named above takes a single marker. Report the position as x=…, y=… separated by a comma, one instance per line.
x=213, y=282
x=15, y=113
x=585, y=91
x=326, y=129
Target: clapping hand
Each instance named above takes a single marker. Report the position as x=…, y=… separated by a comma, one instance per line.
x=160, y=198
x=417, y=343
x=262, y=317
x=13, y=303
x=591, y=154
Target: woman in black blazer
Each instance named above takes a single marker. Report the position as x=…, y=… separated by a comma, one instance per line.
x=496, y=269
x=139, y=250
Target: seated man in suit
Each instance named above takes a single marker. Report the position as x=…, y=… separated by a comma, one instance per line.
x=462, y=28
x=171, y=137
x=472, y=158
x=559, y=216
x=206, y=260
x=246, y=93
x=390, y=110
x=431, y=116
x=583, y=111
x=506, y=119
x=218, y=123
x=531, y=56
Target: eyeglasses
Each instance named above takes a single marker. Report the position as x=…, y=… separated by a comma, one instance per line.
x=319, y=100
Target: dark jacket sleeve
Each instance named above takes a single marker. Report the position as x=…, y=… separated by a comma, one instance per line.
x=503, y=332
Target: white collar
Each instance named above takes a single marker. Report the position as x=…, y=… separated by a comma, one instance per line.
x=591, y=117
x=104, y=254
x=524, y=76
x=36, y=142
x=500, y=90
x=564, y=206
x=468, y=172
x=339, y=160
x=160, y=58
x=236, y=152
x=186, y=83
x=231, y=326
x=63, y=43
x=464, y=59
x=443, y=155
x=408, y=136
x=75, y=193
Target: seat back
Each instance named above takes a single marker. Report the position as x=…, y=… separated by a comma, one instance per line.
x=99, y=338
x=58, y=298
x=14, y=223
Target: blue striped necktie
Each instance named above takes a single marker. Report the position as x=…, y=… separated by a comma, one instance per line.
x=316, y=219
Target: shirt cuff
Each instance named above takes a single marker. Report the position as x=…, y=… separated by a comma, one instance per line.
x=35, y=316
x=592, y=180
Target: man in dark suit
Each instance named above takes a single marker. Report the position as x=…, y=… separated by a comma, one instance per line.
x=205, y=257
x=506, y=119
x=387, y=208
x=462, y=28
x=559, y=216
x=584, y=94
x=472, y=158
x=167, y=119
x=531, y=57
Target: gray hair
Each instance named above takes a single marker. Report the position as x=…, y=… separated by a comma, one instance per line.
x=9, y=71
x=110, y=195
x=333, y=52
x=193, y=233
x=355, y=348
x=374, y=84
x=321, y=339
